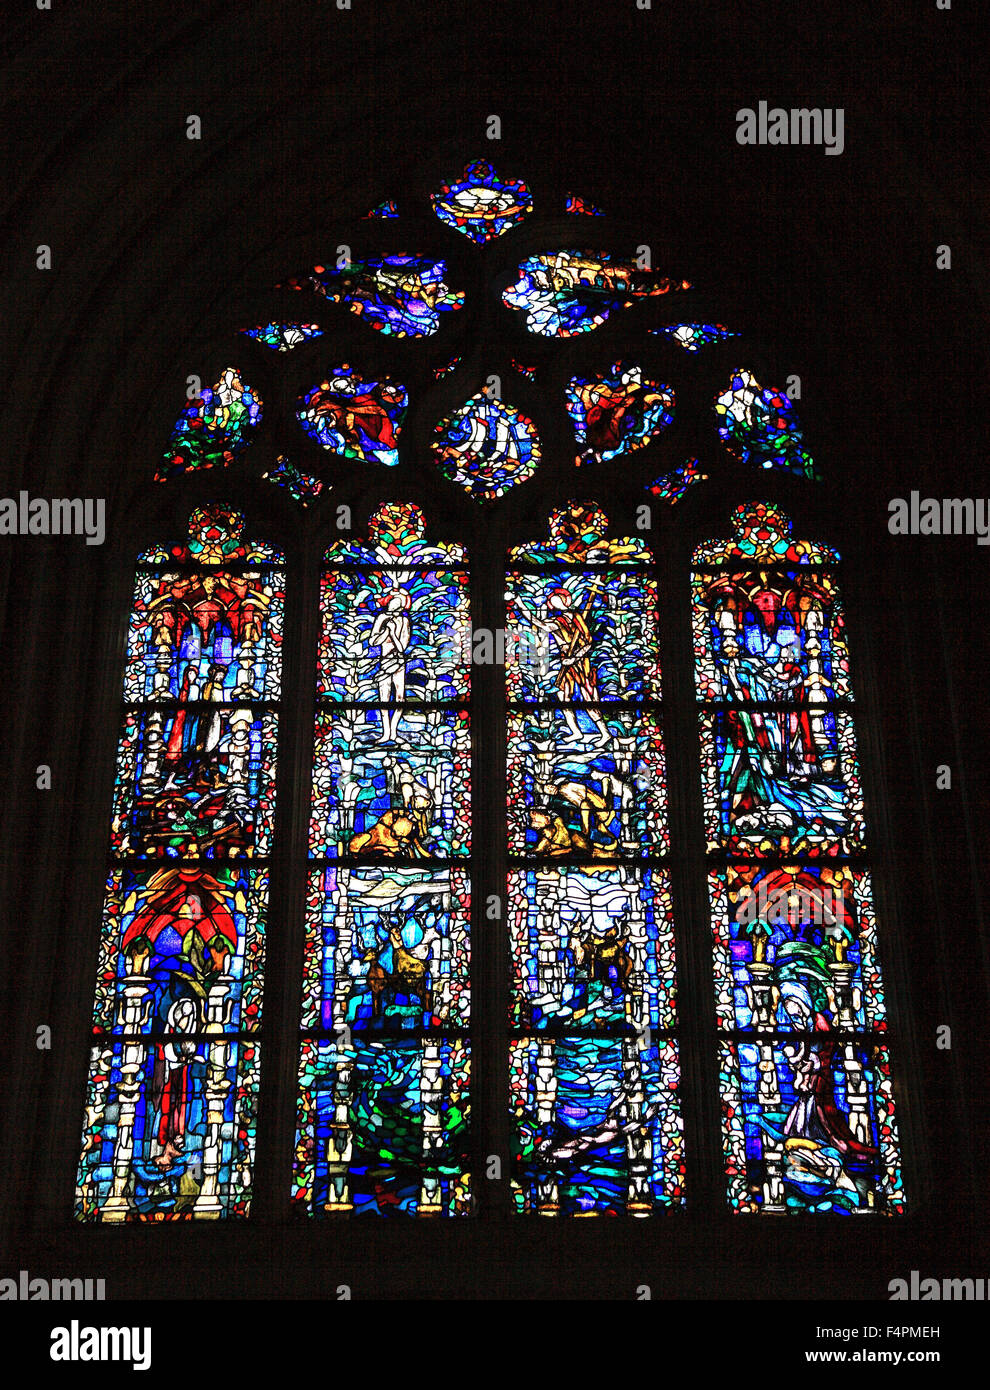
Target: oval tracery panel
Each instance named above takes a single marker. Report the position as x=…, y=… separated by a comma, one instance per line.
x=486, y=447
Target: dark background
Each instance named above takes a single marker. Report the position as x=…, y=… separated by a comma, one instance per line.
x=162, y=245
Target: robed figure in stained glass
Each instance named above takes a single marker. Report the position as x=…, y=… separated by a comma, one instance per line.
x=577, y=677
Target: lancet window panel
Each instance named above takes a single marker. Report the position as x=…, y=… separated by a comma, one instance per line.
x=807, y=1097
x=169, y=1129
x=593, y=1052
x=384, y=1081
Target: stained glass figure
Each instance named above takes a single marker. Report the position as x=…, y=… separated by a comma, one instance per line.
x=388, y=949
x=671, y=487
x=205, y=634
x=692, y=337
x=592, y=947
x=195, y=783
x=782, y=781
x=566, y=292
x=759, y=425
x=580, y=207
x=399, y=295
x=480, y=204
x=391, y=785
x=301, y=487
x=447, y=368
x=810, y=1128
x=169, y=1130
x=364, y=609
x=593, y=1052
x=487, y=447
x=586, y=784
x=785, y=642
x=354, y=416
x=613, y=612
x=384, y=209
x=530, y=373
x=186, y=941
x=808, y=1121
x=280, y=337
x=617, y=411
x=213, y=429
x=383, y=1107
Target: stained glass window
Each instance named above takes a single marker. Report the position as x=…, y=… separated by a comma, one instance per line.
x=169, y=1131
x=594, y=1071
x=805, y=1078
x=388, y=899
x=385, y=1057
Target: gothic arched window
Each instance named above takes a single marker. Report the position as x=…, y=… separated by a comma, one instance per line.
x=503, y=892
